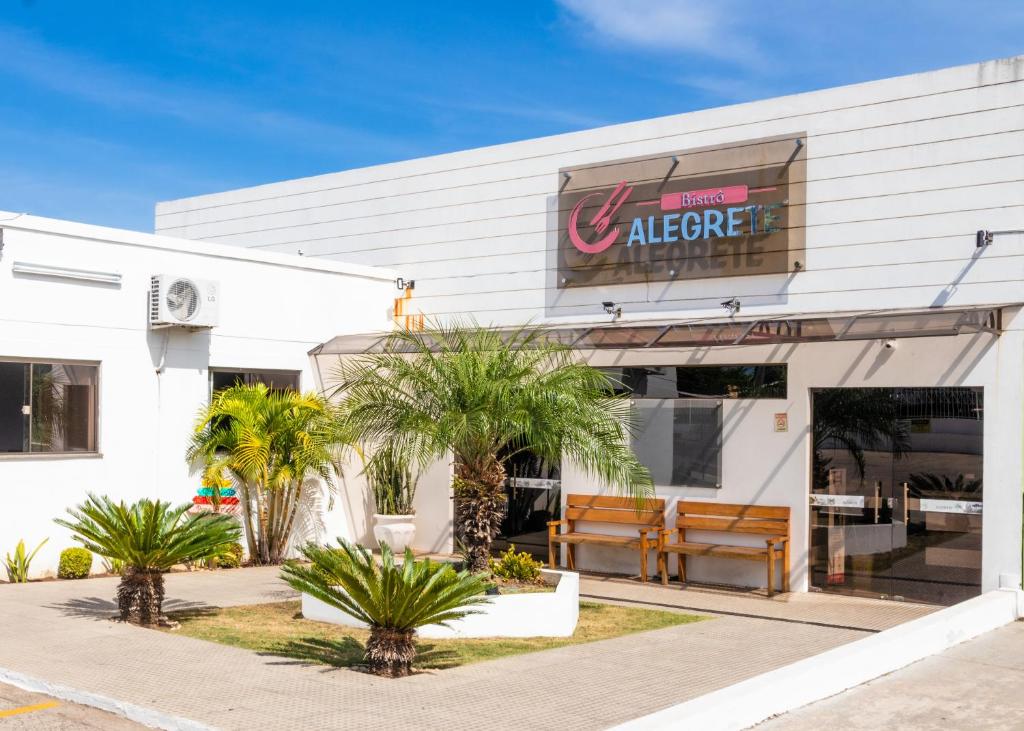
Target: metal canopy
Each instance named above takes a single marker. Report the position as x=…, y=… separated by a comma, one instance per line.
x=867, y=325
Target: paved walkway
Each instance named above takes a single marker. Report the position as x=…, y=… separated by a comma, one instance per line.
x=22, y=711
x=59, y=631
x=976, y=685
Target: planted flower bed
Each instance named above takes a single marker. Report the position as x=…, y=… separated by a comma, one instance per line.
x=519, y=614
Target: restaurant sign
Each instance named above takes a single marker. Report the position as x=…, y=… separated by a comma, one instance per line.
x=712, y=212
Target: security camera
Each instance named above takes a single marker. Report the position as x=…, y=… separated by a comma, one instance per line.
x=733, y=305
x=612, y=309
x=889, y=344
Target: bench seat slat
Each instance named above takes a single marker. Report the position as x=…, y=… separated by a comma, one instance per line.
x=608, y=540
x=751, y=553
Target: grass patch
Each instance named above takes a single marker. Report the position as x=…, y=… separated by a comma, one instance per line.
x=280, y=629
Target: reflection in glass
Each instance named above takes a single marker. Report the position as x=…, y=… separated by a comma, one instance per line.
x=62, y=408
x=715, y=382
x=897, y=492
x=533, y=489
x=680, y=441
x=277, y=380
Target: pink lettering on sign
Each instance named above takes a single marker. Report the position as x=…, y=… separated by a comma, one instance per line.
x=702, y=198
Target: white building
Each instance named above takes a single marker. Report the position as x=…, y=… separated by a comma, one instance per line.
x=93, y=399
x=844, y=241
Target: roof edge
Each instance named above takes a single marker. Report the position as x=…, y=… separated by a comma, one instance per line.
x=124, y=237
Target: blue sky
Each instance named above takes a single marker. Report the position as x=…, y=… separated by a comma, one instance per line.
x=108, y=107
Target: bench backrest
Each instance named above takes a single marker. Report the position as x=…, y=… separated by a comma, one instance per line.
x=611, y=509
x=733, y=518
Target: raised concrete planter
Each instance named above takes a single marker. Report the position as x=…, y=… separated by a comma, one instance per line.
x=547, y=614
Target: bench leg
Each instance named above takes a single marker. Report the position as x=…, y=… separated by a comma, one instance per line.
x=570, y=555
x=643, y=563
x=663, y=568
x=551, y=555
x=682, y=568
x=785, y=567
x=771, y=572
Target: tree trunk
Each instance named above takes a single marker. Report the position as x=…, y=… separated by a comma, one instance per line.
x=291, y=508
x=390, y=652
x=263, y=496
x=250, y=532
x=140, y=597
x=481, y=502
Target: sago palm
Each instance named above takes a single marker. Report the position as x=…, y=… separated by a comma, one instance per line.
x=486, y=395
x=273, y=443
x=392, y=599
x=149, y=537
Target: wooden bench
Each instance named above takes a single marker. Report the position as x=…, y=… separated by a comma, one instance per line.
x=772, y=522
x=649, y=519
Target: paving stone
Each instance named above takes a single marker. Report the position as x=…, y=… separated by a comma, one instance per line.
x=60, y=631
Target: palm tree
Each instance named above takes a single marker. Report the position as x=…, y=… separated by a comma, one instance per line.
x=273, y=442
x=486, y=395
x=393, y=600
x=150, y=537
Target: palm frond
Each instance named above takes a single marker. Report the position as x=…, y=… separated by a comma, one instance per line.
x=399, y=597
x=149, y=535
x=483, y=392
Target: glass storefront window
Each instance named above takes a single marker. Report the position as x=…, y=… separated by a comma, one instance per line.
x=714, y=382
x=897, y=492
x=680, y=441
x=48, y=408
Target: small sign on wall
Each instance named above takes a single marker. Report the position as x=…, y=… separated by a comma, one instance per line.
x=782, y=422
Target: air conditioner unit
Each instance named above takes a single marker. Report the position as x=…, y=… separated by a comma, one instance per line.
x=183, y=302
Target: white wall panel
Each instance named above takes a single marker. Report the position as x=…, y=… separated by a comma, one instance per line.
x=273, y=310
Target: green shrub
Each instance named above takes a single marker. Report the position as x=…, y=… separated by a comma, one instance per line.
x=75, y=563
x=390, y=476
x=18, y=565
x=514, y=566
x=232, y=557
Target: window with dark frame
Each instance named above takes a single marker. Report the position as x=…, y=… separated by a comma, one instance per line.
x=678, y=434
x=711, y=381
x=48, y=408
x=221, y=378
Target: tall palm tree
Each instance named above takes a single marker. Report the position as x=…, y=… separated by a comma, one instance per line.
x=392, y=599
x=273, y=442
x=486, y=395
x=150, y=537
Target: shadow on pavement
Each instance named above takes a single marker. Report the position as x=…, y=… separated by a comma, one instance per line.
x=97, y=608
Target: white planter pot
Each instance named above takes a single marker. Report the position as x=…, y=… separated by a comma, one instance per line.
x=547, y=614
x=397, y=531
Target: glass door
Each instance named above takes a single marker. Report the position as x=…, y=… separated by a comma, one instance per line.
x=896, y=492
x=852, y=528
x=533, y=491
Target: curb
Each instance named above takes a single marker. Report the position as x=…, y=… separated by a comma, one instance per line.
x=761, y=697
x=139, y=714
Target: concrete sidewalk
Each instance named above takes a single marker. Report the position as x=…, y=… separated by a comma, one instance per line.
x=60, y=631
x=976, y=685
